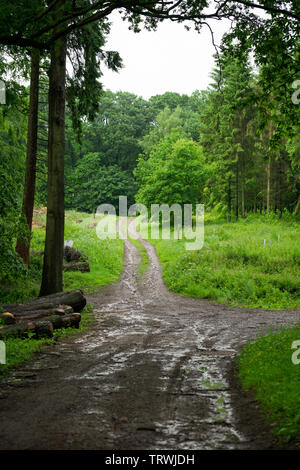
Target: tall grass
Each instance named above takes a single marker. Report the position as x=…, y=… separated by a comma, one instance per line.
x=253, y=263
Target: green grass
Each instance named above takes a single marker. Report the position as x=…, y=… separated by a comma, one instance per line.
x=143, y=265
x=104, y=256
x=266, y=368
x=19, y=351
x=236, y=266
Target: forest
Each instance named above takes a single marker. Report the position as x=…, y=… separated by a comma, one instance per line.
x=229, y=147
x=68, y=145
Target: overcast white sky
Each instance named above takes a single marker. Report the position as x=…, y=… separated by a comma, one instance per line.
x=170, y=59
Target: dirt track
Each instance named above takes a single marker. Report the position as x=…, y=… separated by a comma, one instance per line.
x=155, y=372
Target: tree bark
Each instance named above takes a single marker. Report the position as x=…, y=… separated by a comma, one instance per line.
x=268, y=185
x=243, y=188
x=269, y=167
x=54, y=244
x=229, y=200
x=64, y=321
x=236, y=202
x=41, y=329
x=297, y=208
x=23, y=246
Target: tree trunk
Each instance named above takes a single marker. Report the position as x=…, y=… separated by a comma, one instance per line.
x=243, y=188
x=237, y=190
x=54, y=244
x=297, y=208
x=268, y=185
x=270, y=135
x=229, y=200
x=41, y=329
x=74, y=298
x=64, y=321
x=23, y=246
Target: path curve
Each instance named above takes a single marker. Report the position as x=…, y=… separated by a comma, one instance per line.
x=154, y=372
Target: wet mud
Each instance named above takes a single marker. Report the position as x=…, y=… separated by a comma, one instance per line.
x=156, y=371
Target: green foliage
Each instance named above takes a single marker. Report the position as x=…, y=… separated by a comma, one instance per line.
x=174, y=172
x=93, y=183
x=12, y=163
x=266, y=369
x=255, y=263
x=122, y=120
x=83, y=90
x=165, y=122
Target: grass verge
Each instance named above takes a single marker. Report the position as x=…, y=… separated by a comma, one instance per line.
x=266, y=368
x=143, y=265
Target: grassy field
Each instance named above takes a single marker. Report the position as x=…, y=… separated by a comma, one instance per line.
x=252, y=263
x=104, y=256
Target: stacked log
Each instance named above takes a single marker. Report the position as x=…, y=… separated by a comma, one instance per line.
x=82, y=266
x=76, y=261
x=40, y=317
x=74, y=298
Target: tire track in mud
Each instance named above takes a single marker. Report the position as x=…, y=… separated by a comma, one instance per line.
x=154, y=372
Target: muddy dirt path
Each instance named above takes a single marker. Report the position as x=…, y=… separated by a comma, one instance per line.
x=155, y=372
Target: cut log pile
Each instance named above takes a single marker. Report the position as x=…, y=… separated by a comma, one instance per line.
x=40, y=317
x=82, y=266
x=76, y=261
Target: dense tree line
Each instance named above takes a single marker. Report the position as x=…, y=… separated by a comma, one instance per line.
x=216, y=144
x=131, y=140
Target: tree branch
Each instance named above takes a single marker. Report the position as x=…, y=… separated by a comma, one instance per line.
x=268, y=9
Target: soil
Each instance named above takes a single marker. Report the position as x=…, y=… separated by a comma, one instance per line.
x=156, y=371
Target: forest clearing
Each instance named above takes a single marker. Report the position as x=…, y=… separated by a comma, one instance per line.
x=149, y=230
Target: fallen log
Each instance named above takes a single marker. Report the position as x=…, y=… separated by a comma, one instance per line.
x=64, y=321
x=33, y=315
x=40, y=329
x=43, y=329
x=73, y=298
x=8, y=318
x=82, y=266
x=71, y=254
x=36, y=314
